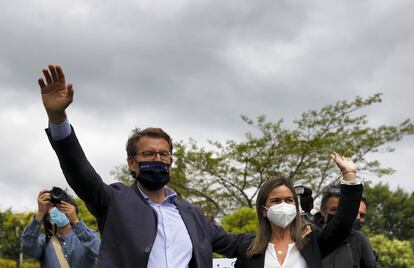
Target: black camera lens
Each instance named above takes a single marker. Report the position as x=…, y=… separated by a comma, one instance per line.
x=57, y=195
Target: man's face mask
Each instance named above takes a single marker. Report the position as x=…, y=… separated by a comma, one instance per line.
x=153, y=175
x=358, y=224
x=58, y=218
x=329, y=217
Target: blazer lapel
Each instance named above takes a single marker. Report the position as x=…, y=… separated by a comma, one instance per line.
x=187, y=216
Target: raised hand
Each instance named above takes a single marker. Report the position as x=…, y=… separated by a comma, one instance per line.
x=43, y=204
x=56, y=95
x=69, y=210
x=346, y=165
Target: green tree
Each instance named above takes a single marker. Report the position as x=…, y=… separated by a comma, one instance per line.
x=11, y=228
x=390, y=212
x=393, y=253
x=227, y=175
x=243, y=220
x=85, y=215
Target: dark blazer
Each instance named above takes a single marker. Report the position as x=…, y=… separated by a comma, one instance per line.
x=319, y=243
x=128, y=225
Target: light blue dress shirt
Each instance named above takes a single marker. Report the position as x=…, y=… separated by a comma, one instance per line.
x=172, y=246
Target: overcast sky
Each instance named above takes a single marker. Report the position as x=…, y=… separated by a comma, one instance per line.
x=192, y=68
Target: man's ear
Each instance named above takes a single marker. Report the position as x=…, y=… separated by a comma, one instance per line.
x=132, y=165
x=171, y=162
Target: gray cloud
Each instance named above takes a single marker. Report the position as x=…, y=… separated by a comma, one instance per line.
x=193, y=67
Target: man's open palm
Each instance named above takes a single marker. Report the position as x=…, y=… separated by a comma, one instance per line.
x=56, y=95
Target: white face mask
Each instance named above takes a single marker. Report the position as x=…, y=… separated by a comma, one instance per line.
x=281, y=214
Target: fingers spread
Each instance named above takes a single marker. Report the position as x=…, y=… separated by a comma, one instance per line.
x=60, y=74
x=47, y=76
x=53, y=72
x=41, y=83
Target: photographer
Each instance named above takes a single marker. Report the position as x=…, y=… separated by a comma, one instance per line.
x=67, y=242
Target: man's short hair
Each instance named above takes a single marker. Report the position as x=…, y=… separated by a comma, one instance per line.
x=364, y=199
x=137, y=134
x=332, y=191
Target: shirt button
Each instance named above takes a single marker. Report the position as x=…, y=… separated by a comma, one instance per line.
x=147, y=249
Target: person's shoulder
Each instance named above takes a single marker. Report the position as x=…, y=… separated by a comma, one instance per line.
x=119, y=186
x=360, y=236
x=187, y=204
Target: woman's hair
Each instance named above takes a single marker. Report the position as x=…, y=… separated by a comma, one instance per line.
x=263, y=233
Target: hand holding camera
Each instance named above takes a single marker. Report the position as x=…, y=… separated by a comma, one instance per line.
x=69, y=210
x=43, y=204
x=56, y=197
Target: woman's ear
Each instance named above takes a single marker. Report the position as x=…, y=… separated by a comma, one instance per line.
x=264, y=212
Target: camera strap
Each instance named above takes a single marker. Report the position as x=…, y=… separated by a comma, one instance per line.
x=59, y=252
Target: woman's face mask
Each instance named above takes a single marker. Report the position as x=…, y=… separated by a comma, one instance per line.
x=281, y=214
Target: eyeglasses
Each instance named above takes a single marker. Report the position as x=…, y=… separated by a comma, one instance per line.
x=164, y=155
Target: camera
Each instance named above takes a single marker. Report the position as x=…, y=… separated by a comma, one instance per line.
x=305, y=201
x=57, y=195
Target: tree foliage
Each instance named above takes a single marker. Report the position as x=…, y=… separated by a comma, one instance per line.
x=243, y=220
x=393, y=252
x=11, y=228
x=390, y=212
x=227, y=175
x=85, y=215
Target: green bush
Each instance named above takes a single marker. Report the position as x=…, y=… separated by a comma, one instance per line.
x=6, y=263
x=392, y=252
x=243, y=220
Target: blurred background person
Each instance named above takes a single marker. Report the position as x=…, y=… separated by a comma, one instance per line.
x=66, y=241
x=356, y=251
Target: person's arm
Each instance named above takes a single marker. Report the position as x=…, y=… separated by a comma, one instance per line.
x=87, y=237
x=340, y=227
x=32, y=241
x=79, y=173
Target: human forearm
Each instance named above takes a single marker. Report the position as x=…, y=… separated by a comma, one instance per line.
x=89, y=239
x=339, y=228
x=80, y=174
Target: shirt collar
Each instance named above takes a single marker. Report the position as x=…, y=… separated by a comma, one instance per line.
x=170, y=195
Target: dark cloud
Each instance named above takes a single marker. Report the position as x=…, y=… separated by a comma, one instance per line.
x=193, y=67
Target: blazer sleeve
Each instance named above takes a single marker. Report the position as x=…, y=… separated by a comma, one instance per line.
x=340, y=227
x=80, y=174
x=228, y=244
